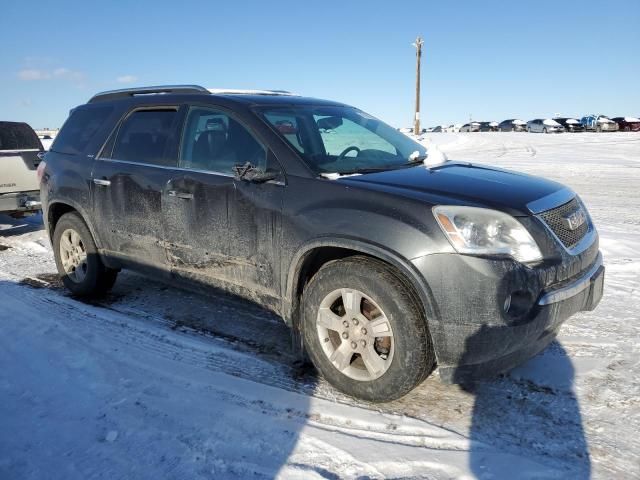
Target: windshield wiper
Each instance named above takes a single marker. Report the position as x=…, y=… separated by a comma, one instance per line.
x=357, y=171
x=417, y=159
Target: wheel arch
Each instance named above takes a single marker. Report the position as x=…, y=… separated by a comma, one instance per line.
x=314, y=254
x=57, y=208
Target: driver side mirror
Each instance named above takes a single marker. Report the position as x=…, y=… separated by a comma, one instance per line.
x=250, y=173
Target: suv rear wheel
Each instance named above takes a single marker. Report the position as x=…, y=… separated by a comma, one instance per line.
x=364, y=330
x=77, y=258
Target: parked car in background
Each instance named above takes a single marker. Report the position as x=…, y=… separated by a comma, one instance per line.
x=512, y=125
x=46, y=140
x=238, y=192
x=598, y=123
x=570, y=124
x=453, y=128
x=438, y=129
x=20, y=148
x=544, y=125
x=488, y=126
x=470, y=127
x=627, y=124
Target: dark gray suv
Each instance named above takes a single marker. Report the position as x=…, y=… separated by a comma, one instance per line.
x=383, y=264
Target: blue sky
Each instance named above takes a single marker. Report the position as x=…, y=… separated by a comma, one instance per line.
x=490, y=59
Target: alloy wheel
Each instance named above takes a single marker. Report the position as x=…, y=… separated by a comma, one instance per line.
x=73, y=255
x=355, y=334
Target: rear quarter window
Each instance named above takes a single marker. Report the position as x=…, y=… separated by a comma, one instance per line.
x=80, y=128
x=18, y=136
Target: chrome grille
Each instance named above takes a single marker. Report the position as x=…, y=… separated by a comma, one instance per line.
x=555, y=220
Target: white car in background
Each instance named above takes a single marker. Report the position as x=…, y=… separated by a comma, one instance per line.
x=20, y=151
x=470, y=127
x=453, y=128
x=544, y=125
x=599, y=123
x=46, y=140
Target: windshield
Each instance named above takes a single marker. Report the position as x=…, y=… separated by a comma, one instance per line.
x=335, y=139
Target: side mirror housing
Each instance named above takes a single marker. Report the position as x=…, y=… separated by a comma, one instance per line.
x=250, y=173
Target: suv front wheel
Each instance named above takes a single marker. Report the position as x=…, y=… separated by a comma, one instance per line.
x=364, y=330
x=77, y=258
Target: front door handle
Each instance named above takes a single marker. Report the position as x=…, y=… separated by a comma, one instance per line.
x=183, y=195
x=101, y=182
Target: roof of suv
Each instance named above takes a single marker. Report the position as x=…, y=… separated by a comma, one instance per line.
x=247, y=97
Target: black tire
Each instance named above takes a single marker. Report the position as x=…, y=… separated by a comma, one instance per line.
x=98, y=279
x=413, y=359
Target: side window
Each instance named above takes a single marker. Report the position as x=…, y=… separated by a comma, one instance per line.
x=18, y=136
x=215, y=142
x=287, y=125
x=80, y=128
x=143, y=137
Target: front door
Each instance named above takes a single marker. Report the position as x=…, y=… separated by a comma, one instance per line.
x=128, y=181
x=218, y=230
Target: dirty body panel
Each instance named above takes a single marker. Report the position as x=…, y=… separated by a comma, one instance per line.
x=485, y=314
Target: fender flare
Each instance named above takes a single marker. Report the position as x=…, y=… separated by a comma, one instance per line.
x=290, y=307
x=81, y=211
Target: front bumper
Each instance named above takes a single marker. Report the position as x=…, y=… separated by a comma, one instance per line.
x=20, y=202
x=478, y=332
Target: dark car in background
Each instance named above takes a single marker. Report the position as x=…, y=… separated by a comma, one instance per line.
x=512, y=125
x=383, y=265
x=570, y=124
x=488, y=126
x=627, y=124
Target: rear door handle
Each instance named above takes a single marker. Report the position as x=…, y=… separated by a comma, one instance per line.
x=101, y=182
x=183, y=195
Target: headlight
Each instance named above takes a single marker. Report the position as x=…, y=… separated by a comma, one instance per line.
x=480, y=231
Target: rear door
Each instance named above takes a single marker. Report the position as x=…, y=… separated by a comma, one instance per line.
x=19, y=148
x=219, y=230
x=129, y=178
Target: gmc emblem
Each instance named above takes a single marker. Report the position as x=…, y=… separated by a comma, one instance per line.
x=575, y=219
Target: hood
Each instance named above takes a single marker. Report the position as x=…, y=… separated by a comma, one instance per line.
x=461, y=184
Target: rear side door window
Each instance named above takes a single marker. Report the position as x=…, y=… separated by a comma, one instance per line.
x=80, y=128
x=144, y=137
x=215, y=142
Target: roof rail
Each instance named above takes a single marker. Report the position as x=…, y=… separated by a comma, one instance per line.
x=131, y=92
x=233, y=91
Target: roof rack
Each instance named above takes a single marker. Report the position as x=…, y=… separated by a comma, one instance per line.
x=233, y=91
x=131, y=92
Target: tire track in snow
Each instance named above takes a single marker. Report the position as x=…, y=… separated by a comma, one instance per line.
x=83, y=322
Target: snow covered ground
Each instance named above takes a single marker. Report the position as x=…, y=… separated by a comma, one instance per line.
x=156, y=382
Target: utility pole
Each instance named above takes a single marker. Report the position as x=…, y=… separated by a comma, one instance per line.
x=418, y=44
